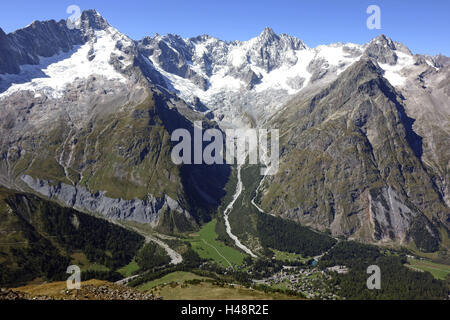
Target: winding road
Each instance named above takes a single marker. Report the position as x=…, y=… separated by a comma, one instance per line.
x=175, y=257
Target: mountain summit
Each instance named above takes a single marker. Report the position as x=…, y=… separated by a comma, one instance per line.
x=91, y=19
x=268, y=35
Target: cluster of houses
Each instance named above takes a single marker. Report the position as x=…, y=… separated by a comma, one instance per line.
x=338, y=269
x=310, y=282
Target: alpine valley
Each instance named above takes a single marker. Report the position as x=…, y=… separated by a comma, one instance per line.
x=87, y=179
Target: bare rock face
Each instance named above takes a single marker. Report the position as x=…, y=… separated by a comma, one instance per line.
x=8, y=63
x=227, y=75
x=296, y=82
x=173, y=56
x=43, y=39
x=148, y=210
x=318, y=69
x=250, y=78
x=382, y=49
x=441, y=61
x=269, y=50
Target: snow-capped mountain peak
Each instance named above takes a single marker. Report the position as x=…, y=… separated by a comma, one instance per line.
x=91, y=19
x=59, y=56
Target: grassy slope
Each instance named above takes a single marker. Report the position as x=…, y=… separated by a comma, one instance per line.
x=54, y=289
x=129, y=269
x=80, y=259
x=209, y=291
x=288, y=256
x=439, y=271
x=179, y=276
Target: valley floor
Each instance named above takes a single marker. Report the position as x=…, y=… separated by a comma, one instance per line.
x=439, y=271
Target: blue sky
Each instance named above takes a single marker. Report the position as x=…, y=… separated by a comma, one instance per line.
x=424, y=26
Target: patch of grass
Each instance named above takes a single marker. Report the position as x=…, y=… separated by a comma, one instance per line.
x=150, y=256
x=209, y=291
x=439, y=271
x=442, y=257
x=207, y=246
x=95, y=267
x=129, y=269
x=288, y=256
x=80, y=259
x=47, y=169
x=179, y=276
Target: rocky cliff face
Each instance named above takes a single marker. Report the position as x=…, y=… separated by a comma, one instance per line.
x=145, y=211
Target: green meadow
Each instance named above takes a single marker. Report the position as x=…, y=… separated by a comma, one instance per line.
x=205, y=243
x=439, y=271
